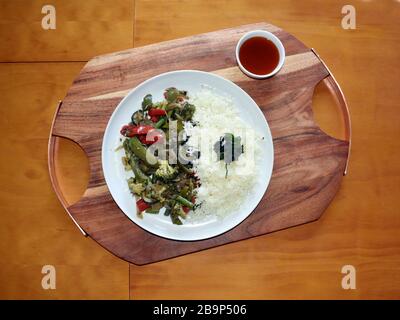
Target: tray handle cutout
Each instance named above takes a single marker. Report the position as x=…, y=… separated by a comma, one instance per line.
x=53, y=175
x=340, y=100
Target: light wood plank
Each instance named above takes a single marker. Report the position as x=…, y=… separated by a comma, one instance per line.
x=362, y=224
x=35, y=230
x=83, y=29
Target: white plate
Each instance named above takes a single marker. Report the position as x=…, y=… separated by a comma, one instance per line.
x=115, y=175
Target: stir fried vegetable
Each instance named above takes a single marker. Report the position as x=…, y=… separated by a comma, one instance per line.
x=156, y=183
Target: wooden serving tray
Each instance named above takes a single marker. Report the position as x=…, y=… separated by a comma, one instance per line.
x=308, y=164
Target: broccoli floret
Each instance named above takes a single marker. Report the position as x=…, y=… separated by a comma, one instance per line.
x=155, y=192
x=135, y=187
x=188, y=111
x=165, y=171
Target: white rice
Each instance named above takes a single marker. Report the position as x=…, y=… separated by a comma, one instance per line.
x=219, y=196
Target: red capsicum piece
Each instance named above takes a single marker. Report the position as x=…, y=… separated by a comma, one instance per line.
x=186, y=209
x=142, y=139
x=141, y=132
x=127, y=130
x=150, y=140
x=142, y=129
x=154, y=118
x=131, y=130
x=157, y=112
x=142, y=205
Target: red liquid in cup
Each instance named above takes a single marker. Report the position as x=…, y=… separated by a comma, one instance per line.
x=259, y=55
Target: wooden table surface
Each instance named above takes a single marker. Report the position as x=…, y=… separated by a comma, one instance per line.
x=361, y=227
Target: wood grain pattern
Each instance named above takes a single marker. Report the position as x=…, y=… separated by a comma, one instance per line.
x=308, y=163
x=83, y=29
x=34, y=229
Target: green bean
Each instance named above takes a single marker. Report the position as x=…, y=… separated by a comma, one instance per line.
x=141, y=152
x=160, y=123
x=175, y=219
x=155, y=208
x=184, y=202
x=139, y=174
